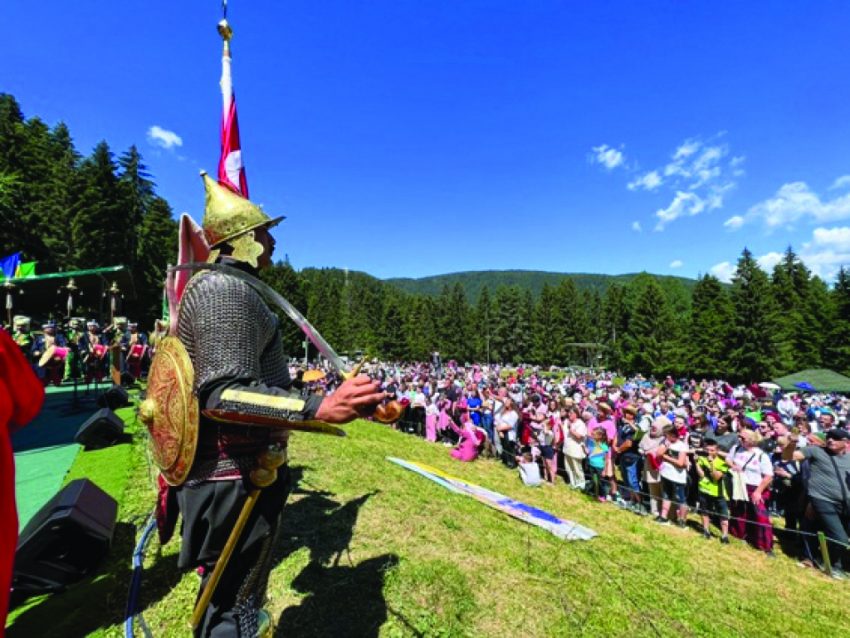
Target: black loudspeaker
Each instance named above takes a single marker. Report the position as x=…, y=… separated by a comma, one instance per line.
x=114, y=398
x=103, y=429
x=65, y=540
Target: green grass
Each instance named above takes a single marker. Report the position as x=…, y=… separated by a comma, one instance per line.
x=370, y=549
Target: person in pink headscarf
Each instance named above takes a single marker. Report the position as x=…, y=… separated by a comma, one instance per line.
x=471, y=438
x=432, y=413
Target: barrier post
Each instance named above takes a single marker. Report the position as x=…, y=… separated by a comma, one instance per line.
x=824, y=550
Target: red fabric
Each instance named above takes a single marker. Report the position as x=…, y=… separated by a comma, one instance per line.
x=21, y=396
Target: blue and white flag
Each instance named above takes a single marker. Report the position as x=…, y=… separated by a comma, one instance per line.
x=10, y=264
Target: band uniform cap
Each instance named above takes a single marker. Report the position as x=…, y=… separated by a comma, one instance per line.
x=228, y=215
x=21, y=320
x=118, y=321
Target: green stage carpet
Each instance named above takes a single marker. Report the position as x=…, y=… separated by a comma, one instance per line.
x=45, y=451
x=39, y=475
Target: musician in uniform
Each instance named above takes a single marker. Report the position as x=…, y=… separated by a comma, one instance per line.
x=23, y=335
x=119, y=339
x=234, y=342
x=137, y=348
x=160, y=331
x=51, y=368
x=75, y=338
x=94, y=349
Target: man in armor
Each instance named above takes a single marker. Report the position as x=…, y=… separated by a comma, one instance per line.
x=240, y=368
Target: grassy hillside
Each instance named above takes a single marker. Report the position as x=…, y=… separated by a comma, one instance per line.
x=370, y=549
x=474, y=281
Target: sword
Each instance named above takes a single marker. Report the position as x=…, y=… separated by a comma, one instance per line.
x=271, y=295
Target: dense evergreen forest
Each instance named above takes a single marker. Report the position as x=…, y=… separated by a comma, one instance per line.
x=473, y=282
x=69, y=211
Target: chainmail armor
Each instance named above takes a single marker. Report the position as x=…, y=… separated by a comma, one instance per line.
x=230, y=332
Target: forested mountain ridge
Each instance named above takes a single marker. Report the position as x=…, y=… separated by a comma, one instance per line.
x=70, y=211
x=473, y=281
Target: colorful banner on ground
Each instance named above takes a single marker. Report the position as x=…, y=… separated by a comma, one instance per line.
x=566, y=530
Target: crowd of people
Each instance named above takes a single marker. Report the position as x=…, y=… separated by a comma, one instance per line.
x=738, y=457
x=83, y=351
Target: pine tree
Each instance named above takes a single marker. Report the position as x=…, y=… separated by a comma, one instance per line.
x=708, y=329
x=838, y=342
x=615, y=320
x=285, y=280
x=393, y=338
x=97, y=227
x=546, y=340
x=456, y=325
x=483, y=325
x=651, y=332
x=799, y=335
x=754, y=348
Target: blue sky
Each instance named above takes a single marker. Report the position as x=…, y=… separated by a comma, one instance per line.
x=411, y=138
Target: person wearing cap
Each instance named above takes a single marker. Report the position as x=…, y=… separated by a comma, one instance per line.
x=751, y=520
x=93, y=350
x=23, y=335
x=52, y=371
x=118, y=336
x=828, y=489
x=74, y=337
x=233, y=339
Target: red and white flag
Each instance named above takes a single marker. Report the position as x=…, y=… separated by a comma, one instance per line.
x=231, y=172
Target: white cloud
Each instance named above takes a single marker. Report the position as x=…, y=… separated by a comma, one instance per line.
x=824, y=254
x=734, y=222
x=841, y=182
x=723, y=271
x=636, y=227
x=769, y=260
x=609, y=157
x=650, y=182
x=683, y=204
x=837, y=238
x=699, y=175
x=676, y=263
x=686, y=149
x=164, y=138
x=795, y=201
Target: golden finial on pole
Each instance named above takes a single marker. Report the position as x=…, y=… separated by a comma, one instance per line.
x=225, y=30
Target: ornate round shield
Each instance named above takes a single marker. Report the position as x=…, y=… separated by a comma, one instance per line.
x=170, y=411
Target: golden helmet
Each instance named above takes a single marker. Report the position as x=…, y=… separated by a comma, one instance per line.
x=228, y=215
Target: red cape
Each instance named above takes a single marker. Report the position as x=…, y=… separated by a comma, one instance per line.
x=21, y=396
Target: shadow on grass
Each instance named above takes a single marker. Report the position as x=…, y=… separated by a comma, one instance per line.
x=98, y=601
x=342, y=599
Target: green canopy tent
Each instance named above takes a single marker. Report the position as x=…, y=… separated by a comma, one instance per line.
x=46, y=296
x=821, y=379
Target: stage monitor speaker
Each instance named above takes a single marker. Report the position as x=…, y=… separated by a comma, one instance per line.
x=65, y=540
x=103, y=429
x=114, y=398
